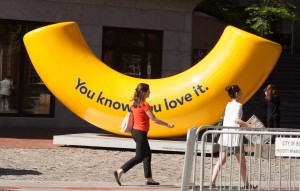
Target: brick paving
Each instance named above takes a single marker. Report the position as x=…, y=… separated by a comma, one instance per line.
x=35, y=138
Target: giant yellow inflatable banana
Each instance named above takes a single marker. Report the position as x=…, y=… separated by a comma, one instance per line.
x=100, y=95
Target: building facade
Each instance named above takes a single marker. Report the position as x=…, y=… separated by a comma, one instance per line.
x=144, y=39
x=156, y=41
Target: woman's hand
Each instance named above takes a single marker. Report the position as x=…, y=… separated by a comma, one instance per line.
x=245, y=124
x=158, y=121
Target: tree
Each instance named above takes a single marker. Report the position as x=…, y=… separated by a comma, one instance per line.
x=263, y=15
x=260, y=17
x=225, y=10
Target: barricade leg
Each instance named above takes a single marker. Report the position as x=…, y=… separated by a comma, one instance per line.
x=188, y=159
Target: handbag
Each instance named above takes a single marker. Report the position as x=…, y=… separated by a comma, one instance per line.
x=127, y=123
x=220, y=123
x=215, y=137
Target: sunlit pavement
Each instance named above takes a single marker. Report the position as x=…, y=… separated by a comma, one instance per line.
x=42, y=139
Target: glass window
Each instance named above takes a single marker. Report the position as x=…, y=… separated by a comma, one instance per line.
x=134, y=52
x=22, y=92
x=131, y=64
x=129, y=39
x=154, y=41
x=10, y=49
x=109, y=57
x=111, y=38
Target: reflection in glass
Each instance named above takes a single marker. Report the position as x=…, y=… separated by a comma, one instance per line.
x=131, y=64
x=108, y=58
x=153, y=41
x=153, y=59
x=134, y=52
x=110, y=38
x=149, y=65
x=128, y=39
x=10, y=47
x=29, y=95
x=36, y=99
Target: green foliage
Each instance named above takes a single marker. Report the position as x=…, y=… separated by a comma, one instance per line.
x=262, y=16
x=226, y=10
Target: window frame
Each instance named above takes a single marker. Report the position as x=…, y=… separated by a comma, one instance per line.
x=119, y=50
x=21, y=74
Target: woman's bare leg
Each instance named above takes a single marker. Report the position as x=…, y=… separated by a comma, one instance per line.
x=242, y=160
x=221, y=161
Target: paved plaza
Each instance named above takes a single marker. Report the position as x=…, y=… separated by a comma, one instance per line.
x=37, y=164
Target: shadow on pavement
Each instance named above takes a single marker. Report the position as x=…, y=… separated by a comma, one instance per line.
x=18, y=172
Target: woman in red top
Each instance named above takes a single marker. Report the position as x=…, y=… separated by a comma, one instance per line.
x=142, y=112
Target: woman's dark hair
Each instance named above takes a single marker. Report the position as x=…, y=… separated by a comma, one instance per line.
x=139, y=93
x=271, y=88
x=232, y=90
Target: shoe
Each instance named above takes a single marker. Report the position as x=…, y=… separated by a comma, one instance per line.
x=151, y=183
x=251, y=186
x=117, y=177
x=213, y=185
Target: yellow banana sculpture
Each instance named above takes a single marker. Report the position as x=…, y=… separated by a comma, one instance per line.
x=101, y=95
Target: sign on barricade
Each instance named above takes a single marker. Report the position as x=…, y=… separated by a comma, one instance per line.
x=288, y=147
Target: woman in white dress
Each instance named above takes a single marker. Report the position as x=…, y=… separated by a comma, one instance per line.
x=231, y=142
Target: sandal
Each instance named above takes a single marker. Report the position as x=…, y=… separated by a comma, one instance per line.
x=254, y=187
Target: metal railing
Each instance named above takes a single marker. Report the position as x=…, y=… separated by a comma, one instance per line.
x=272, y=159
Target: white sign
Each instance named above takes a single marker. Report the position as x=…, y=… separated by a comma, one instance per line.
x=289, y=147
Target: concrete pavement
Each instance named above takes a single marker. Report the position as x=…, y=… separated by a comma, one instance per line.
x=31, y=144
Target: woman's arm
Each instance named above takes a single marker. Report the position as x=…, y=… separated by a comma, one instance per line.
x=156, y=120
x=244, y=124
x=241, y=122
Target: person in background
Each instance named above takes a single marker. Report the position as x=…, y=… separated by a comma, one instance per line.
x=6, y=87
x=142, y=113
x=230, y=143
x=272, y=105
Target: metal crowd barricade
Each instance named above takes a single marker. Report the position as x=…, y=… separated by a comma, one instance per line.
x=270, y=165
